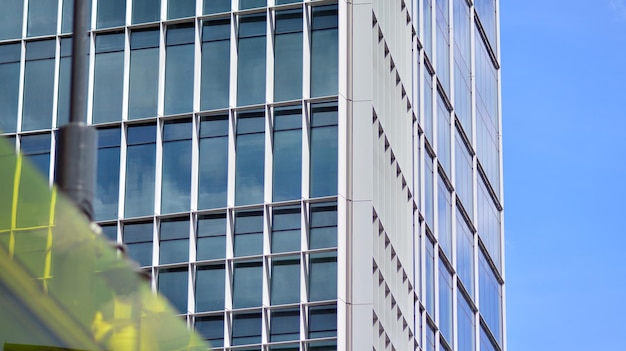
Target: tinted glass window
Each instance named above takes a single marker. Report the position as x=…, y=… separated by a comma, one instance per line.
x=322, y=321
x=288, y=55
x=181, y=8
x=144, y=78
x=251, y=60
x=37, y=149
x=10, y=23
x=109, y=78
x=211, y=242
x=172, y=283
x=285, y=325
x=247, y=284
x=248, y=233
x=287, y=172
x=215, y=6
x=42, y=19
x=248, y=4
x=324, y=51
x=108, y=175
x=210, y=288
x=174, y=241
x=65, y=67
x=286, y=229
x=140, y=168
x=176, y=176
x=213, y=164
x=445, y=302
x=324, y=150
x=285, y=280
x=138, y=240
x=250, y=159
x=111, y=13
x=146, y=10
x=179, y=69
x=323, y=276
x=9, y=89
x=444, y=218
x=323, y=226
x=38, y=85
x=215, y=64
x=246, y=329
x=212, y=329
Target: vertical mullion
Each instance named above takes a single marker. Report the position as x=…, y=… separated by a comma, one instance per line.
x=162, y=58
x=197, y=65
x=126, y=74
x=269, y=56
x=55, y=84
x=20, y=94
x=158, y=176
x=306, y=53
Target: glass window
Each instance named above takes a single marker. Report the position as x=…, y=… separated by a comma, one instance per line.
x=286, y=229
x=37, y=149
x=490, y=295
x=322, y=346
x=215, y=6
x=10, y=23
x=215, y=64
x=489, y=223
x=248, y=233
x=68, y=16
x=465, y=317
x=285, y=325
x=462, y=55
x=138, y=240
x=323, y=276
x=181, y=8
x=144, y=78
x=324, y=51
x=443, y=45
x=251, y=60
x=65, y=70
x=212, y=329
x=109, y=231
x=428, y=105
x=109, y=78
x=285, y=280
x=246, y=328
x=38, y=85
x=174, y=241
x=429, y=269
x=288, y=55
x=172, y=283
x=464, y=253
x=42, y=19
x=108, y=174
x=445, y=302
x=213, y=163
x=9, y=89
x=486, y=10
x=429, y=195
x=211, y=242
x=427, y=40
x=287, y=172
x=444, y=218
x=140, y=168
x=322, y=321
x=323, y=226
x=443, y=135
x=324, y=149
x=485, y=341
x=250, y=160
x=176, y=187
x=248, y=4
x=146, y=10
x=179, y=69
x=464, y=177
x=111, y=13
x=282, y=2
x=247, y=284
x=210, y=282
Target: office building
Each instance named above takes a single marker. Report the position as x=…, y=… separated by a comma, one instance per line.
x=295, y=175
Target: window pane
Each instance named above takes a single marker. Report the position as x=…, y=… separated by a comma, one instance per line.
x=251, y=61
x=213, y=164
x=211, y=237
x=429, y=269
x=37, y=149
x=10, y=23
x=65, y=66
x=110, y=232
x=428, y=31
x=176, y=187
x=323, y=276
x=465, y=254
x=215, y=6
x=144, y=78
x=490, y=294
x=428, y=106
x=181, y=8
x=445, y=302
x=179, y=70
x=429, y=208
x=465, y=317
x=212, y=328
x=215, y=64
x=285, y=325
x=250, y=160
x=172, y=283
x=248, y=233
x=489, y=223
x=287, y=173
x=140, y=166
x=246, y=329
x=322, y=346
x=138, y=240
x=286, y=229
x=444, y=219
x=111, y=13
x=109, y=78
x=288, y=56
x=282, y=2
x=146, y=10
x=38, y=85
x=210, y=282
x=443, y=45
x=322, y=321
x=323, y=226
x=68, y=14
x=9, y=89
x=247, y=284
x=42, y=18
x=248, y=4
x=174, y=245
x=324, y=150
x=324, y=51
x=443, y=134
x=464, y=179
x=285, y=280
x=108, y=175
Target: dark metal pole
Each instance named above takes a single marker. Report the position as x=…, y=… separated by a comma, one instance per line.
x=76, y=155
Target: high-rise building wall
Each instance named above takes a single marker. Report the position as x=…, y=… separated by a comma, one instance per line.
x=295, y=175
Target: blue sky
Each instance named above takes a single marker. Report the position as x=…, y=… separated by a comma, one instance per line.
x=564, y=141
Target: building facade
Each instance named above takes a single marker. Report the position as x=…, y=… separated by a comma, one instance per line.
x=295, y=175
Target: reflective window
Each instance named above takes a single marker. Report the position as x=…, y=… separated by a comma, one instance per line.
x=323, y=276
x=464, y=177
x=462, y=56
x=213, y=163
x=465, y=330
x=248, y=4
x=489, y=223
x=42, y=19
x=285, y=325
x=146, y=10
x=248, y=233
x=215, y=64
x=444, y=151
x=285, y=280
x=427, y=40
x=487, y=13
x=108, y=174
x=246, y=328
x=68, y=16
x=282, y=2
x=322, y=321
x=288, y=55
x=428, y=106
x=250, y=160
x=211, y=241
x=181, y=8
x=445, y=302
x=324, y=149
x=172, y=283
x=109, y=78
x=176, y=187
x=110, y=13
x=490, y=295
x=323, y=226
x=144, y=78
x=286, y=229
x=464, y=253
x=179, y=69
x=215, y=6
x=138, y=240
x=37, y=149
x=9, y=89
x=140, y=168
x=38, y=85
x=324, y=51
x=287, y=172
x=10, y=24
x=109, y=231
x=174, y=241
x=444, y=218
x=322, y=346
x=429, y=181
x=247, y=284
x=251, y=60
x=65, y=70
x=210, y=287
x=429, y=269
x=443, y=45
x=212, y=329
x=485, y=341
